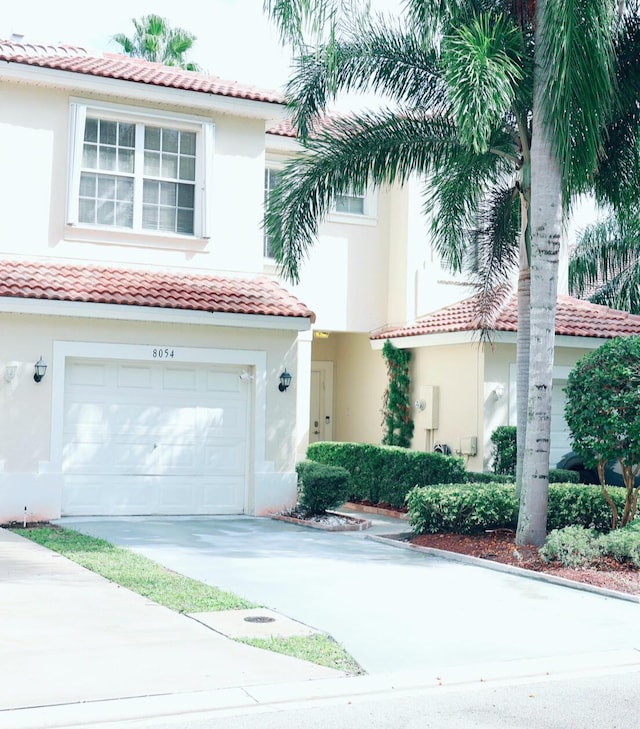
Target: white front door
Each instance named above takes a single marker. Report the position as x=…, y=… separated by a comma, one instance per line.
x=151, y=438
x=321, y=408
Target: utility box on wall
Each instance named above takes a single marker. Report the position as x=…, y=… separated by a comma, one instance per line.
x=427, y=407
x=468, y=446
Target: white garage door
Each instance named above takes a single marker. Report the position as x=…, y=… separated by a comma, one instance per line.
x=151, y=438
x=560, y=435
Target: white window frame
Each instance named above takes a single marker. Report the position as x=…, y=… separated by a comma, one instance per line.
x=277, y=168
x=368, y=217
x=79, y=110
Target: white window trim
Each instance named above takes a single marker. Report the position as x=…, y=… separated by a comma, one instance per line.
x=205, y=137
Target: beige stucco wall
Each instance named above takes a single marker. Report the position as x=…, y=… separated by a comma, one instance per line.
x=360, y=379
x=34, y=145
x=457, y=371
x=31, y=413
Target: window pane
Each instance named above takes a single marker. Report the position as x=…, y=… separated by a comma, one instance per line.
x=167, y=219
x=150, y=217
x=90, y=156
x=152, y=138
x=91, y=130
x=108, y=132
x=125, y=189
x=151, y=192
x=124, y=215
x=187, y=168
x=127, y=135
x=106, y=188
x=87, y=211
x=169, y=166
x=152, y=164
x=126, y=159
x=185, y=222
x=107, y=158
x=168, y=193
x=186, y=196
x=188, y=143
x=106, y=212
x=170, y=140
x=87, y=185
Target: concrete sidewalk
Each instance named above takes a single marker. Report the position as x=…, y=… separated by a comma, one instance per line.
x=68, y=635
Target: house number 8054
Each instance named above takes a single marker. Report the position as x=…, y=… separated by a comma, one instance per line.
x=162, y=353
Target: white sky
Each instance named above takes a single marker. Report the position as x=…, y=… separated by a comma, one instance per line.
x=234, y=38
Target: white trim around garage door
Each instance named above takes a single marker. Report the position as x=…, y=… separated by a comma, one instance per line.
x=254, y=361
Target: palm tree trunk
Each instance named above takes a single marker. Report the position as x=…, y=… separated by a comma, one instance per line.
x=546, y=234
x=522, y=370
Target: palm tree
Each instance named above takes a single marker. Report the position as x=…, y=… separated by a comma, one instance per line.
x=605, y=264
x=155, y=40
x=461, y=77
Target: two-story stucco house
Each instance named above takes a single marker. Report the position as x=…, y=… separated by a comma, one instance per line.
x=151, y=360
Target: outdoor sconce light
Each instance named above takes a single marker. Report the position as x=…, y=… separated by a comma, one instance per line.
x=40, y=369
x=498, y=392
x=285, y=381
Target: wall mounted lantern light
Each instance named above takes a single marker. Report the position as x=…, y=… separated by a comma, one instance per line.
x=285, y=381
x=40, y=369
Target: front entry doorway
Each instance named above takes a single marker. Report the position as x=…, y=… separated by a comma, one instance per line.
x=321, y=410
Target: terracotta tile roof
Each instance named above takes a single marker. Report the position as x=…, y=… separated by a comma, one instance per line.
x=111, y=65
x=139, y=287
x=574, y=318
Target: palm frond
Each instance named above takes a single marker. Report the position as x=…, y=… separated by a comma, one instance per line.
x=605, y=264
x=380, y=57
x=577, y=56
x=482, y=66
x=300, y=22
x=371, y=149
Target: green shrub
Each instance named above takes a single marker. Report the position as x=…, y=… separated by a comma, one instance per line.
x=321, y=487
x=504, y=450
x=470, y=507
x=623, y=544
x=474, y=477
x=386, y=474
x=563, y=475
x=461, y=508
x=580, y=504
x=572, y=546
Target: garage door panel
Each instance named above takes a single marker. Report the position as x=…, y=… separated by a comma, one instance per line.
x=153, y=439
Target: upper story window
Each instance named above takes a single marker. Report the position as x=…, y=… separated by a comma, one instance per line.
x=271, y=177
x=138, y=171
x=350, y=204
x=355, y=208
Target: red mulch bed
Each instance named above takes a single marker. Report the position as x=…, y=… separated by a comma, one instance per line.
x=500, y=546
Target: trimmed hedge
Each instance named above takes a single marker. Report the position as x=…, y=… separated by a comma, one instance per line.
x=468, y=508
x=386, y=474
x=320, y=487
x=563, y=475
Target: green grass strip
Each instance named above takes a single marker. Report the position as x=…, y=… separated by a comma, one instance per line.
x=319, y=648
x=135, y=572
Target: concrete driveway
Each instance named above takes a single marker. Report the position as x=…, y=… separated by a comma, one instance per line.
x=393, y=610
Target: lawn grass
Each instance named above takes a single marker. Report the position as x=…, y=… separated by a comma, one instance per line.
x=137, y=573
x=318, y=648
x=179, y=593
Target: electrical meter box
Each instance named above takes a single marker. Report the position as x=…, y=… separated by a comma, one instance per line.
x=468, y=446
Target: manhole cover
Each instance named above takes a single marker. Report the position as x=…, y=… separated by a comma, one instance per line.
x=259, y=619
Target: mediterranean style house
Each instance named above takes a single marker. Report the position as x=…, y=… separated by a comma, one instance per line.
x=151, y=359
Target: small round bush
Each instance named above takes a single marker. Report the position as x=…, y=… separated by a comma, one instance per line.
x=321, y=487
x=572, y=546
x=623, y=544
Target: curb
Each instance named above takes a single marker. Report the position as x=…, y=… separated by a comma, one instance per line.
x=395, y=540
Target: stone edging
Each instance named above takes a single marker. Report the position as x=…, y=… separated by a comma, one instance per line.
x=378, y=510
x=394, y=540
x=360, y=526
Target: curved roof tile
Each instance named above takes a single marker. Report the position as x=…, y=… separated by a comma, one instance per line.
x=77, y=59
x=574, y=318
x=139, y=287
